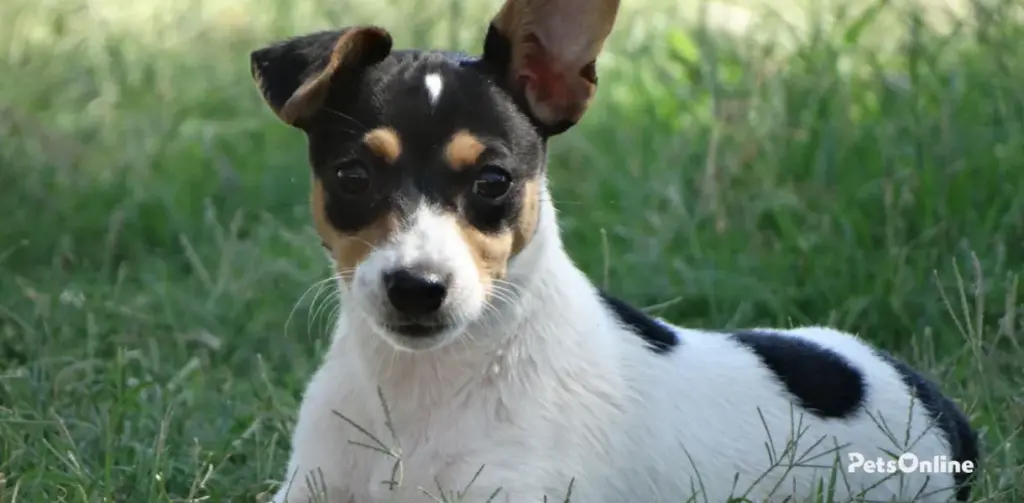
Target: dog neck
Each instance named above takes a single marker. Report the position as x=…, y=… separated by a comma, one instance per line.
x=546, y=307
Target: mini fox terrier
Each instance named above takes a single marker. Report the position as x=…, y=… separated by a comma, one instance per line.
x=472, y=356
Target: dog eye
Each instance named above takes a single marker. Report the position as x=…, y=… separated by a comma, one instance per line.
x=492, y=182
x=353, y=178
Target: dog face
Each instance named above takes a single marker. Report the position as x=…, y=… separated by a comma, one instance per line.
x=428, y=166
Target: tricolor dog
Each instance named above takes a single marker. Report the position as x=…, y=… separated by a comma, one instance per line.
x=507, y=375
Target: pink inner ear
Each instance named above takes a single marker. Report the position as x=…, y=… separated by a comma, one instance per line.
x=558, y=93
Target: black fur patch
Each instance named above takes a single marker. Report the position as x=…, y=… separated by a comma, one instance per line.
x=282, y=67
x=947, y=417
x=820, y=380
x=659, y=338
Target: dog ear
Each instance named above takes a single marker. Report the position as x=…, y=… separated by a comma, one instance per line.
x=545, y=52
x=296, y=75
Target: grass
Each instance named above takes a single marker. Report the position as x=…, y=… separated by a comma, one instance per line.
x=861, y=165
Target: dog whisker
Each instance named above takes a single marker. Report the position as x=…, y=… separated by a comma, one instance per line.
x=315, y=286
x=347, y=117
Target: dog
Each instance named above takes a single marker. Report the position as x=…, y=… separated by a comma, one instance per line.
x=473, y=361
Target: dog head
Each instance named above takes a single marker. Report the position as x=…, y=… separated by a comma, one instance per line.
x=427, y=165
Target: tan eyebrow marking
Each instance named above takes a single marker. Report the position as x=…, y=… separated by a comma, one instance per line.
x=385, y=143
x=463, y=150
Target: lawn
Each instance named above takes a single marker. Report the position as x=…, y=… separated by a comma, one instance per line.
x=859, y=164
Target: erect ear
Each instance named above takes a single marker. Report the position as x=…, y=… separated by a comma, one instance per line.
x=547, y=52
x=296, y=75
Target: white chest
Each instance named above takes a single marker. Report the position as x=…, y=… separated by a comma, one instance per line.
x=473, y=447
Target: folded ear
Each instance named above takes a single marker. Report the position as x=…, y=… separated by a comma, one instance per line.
x=296, y=75
x=547, y=51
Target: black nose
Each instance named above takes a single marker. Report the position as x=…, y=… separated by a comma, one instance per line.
x=415, y=293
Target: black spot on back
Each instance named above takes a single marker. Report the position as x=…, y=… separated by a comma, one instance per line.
x=820, y=380
x=963, y=443
x=659, y=338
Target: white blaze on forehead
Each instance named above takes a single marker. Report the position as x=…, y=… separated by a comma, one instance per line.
x=434, y=85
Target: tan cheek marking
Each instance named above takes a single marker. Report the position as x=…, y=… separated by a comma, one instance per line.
x=384, y=143
x=348, y=250
x=316, y=204
x=463, y=150
x=490, y=252
x=526, y=225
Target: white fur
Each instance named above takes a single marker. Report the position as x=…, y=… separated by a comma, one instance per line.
x=434, y=86
x=430, y=240
x=547, y=387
